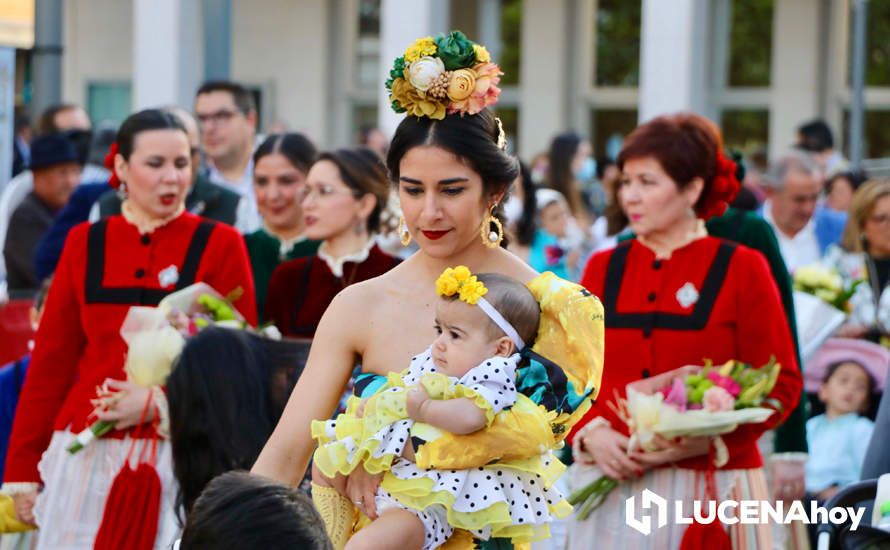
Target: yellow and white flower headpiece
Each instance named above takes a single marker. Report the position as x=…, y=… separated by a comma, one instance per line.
x=448, y=73
x=469, y=289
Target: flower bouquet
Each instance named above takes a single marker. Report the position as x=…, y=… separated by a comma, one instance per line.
x=687, y=402
x=821, y=304
x=155, y=337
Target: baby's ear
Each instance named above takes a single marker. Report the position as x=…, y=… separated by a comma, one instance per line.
x=505, y=347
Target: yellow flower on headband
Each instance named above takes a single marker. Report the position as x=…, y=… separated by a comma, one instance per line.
x=472, y=290
x=462, y=273
x=460, y=281
x=420, y=48
x=446, y=286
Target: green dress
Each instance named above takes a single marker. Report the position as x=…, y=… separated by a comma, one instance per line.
x=265, y=251
x=751, y=230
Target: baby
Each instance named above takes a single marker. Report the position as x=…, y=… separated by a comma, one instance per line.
x=839, y=438
x=457, y=385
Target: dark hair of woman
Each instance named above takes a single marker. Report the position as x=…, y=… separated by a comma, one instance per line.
x=472, y=138
x=222, y=408
x=559, y=174
x=297, y=148
x=616, y=219
x=363, y=171
x=855, y=177
x=685, y=145
x=149, y=119
x=240, y=511
x=527, y=224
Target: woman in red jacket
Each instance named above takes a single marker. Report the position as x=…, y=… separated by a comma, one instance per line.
x=152, y=249
x=674, y=296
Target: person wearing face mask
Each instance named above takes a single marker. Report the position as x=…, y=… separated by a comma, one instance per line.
x=344, y=193
x=152, y=249
x=572, y=172
x=281, y=164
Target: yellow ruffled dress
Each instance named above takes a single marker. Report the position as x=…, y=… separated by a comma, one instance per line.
x=555, y=388
x=512, y=499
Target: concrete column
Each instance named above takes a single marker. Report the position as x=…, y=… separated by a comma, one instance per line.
x=217, y=15
x=401, y=22
x=543, y=92
x=47, y=54
x=673, y=43
x=794, y=76
x=166, y=52
x=490, y=27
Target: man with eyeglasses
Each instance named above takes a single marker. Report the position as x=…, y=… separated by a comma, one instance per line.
x=803, y=228
x=227, y=115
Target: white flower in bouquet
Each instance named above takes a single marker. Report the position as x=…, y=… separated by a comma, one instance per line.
x=423, y=72
x=151, y=355
x=817, y=276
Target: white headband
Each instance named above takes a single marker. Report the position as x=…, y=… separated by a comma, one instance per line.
x=502, y=323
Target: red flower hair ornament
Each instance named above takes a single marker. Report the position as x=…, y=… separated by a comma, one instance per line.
x=723, y=189
x=109, y=163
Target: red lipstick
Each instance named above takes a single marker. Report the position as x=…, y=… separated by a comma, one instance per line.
x=434, y=235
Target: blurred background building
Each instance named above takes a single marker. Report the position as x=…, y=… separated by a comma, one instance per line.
x=757, y=67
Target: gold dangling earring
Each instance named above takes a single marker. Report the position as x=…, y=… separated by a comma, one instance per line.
x=404, y=234
x=491, y=239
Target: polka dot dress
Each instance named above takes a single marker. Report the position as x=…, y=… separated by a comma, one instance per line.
x=489, y=501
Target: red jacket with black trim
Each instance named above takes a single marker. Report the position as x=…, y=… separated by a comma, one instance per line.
x=106, y=268
x=713, y=299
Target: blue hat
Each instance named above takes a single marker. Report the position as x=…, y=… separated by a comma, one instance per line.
x=50, y=150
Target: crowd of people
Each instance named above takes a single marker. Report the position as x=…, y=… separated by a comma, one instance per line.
x=483, y=337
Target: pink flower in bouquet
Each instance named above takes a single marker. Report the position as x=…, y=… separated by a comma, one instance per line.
x=717, y=399
x=676, y=395
x=725, y=382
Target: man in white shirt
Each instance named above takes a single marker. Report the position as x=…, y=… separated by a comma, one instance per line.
x=804, y=230
x=227, y=115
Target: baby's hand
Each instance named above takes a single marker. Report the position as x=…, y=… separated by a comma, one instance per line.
x=417, y=396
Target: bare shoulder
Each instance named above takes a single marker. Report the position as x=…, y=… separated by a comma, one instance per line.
x=510, y=264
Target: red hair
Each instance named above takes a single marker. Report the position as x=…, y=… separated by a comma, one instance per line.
x=687, y=146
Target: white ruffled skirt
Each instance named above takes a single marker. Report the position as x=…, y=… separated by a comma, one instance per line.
x=70, y=507
x=608, y=524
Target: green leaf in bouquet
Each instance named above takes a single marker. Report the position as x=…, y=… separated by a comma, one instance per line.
x=592, y=496
x=773, y=374
x=99, y=429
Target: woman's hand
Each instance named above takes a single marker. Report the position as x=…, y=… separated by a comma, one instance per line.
x=607, y=449
x=24, y=507
x=361, y=488
x=668, y=451
x=124, y=403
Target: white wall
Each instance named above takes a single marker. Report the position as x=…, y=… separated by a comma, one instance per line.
x=795, y=75
x=284, y=45
x=542, y=92
x=97, y=35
